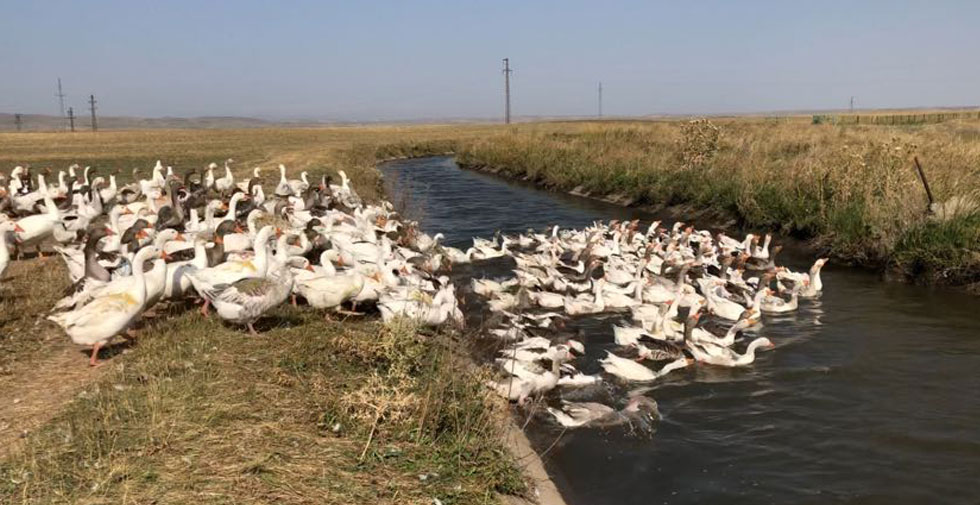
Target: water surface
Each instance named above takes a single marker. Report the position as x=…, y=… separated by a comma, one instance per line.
x=872, y=394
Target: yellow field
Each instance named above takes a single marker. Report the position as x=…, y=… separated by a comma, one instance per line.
x=314, y=149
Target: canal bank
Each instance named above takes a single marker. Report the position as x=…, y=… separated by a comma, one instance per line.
x=852, y=193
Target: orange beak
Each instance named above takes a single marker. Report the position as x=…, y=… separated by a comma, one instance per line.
x=340, y=261
x=126, y=211
x=181, y=237
x=219, y=240
x=109, y=231
x=278, y=232
x=141, y=234
x=238, y=229
x=18, y=229
x=310, y=268
x=164, y=255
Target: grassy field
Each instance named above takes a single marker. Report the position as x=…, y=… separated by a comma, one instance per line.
x=312, y=411
x=354, y=149
x=852, y=190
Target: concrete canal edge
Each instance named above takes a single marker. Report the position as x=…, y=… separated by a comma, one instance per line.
x=540, y=485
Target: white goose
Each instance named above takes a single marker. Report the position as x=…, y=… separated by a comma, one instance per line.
x=107, y=314
x=723, y=356
x=327, y=289
x=773, y=304
x=5, y=227
x=227, y=182
x=718, y=304
x=178, y=282
x=519, y=388
x=109, y=192
x=243, y=185
x=581, y=306
x=35, y=229
x=631, y=371
x=240, y=241
x=298, y=186
x=283, y=189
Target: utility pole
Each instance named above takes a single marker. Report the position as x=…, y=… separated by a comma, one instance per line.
x=91, y=104
x=507, y=72
x=61, y=103
x=18, y=120
x=600, y=99
x=852, y=105
x=71, y=118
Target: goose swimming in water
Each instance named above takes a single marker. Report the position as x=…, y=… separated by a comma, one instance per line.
x=598, y=415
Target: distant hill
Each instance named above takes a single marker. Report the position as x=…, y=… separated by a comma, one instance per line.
x=41, y=122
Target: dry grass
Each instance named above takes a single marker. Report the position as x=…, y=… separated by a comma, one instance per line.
x=30, y=288
x=853, y=189
x=310, y=412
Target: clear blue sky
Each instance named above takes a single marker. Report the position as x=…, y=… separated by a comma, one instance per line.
x=426, y=59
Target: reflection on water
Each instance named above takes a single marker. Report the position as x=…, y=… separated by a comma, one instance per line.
x=871, y=395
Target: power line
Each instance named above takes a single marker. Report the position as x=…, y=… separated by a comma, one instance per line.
x=91, y=104
x=507, y=72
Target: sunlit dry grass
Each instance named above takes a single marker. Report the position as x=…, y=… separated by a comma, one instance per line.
x=309, y=412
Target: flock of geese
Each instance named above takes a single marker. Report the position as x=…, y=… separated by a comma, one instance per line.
x=692, y=297
x=223, y=242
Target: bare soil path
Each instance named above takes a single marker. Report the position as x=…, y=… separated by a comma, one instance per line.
x=35, y=391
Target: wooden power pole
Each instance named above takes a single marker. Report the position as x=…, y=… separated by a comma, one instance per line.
x=19, y=121
x=71, y=118
x=61, y=103
x=507, y=72
x=600, y=99
x=91, y=104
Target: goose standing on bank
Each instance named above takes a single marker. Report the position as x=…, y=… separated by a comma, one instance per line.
x=5, y=228
x=210, y=281
x=108, y=314
x=38, y=227
x=245, y=300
